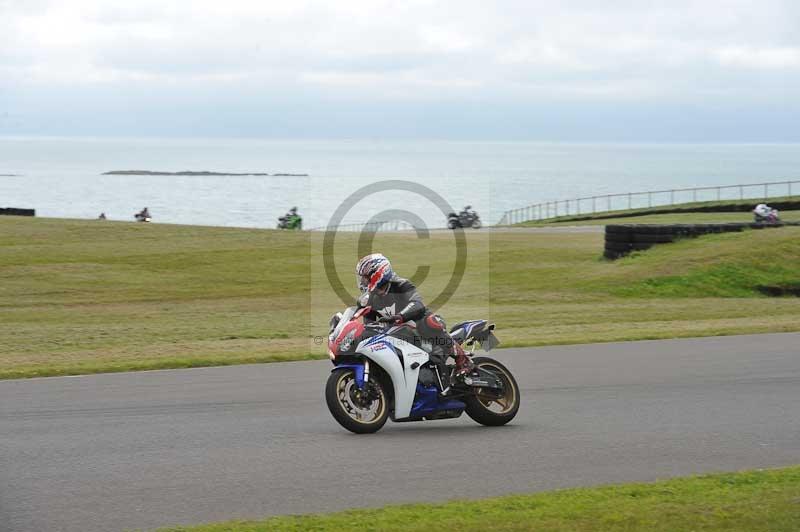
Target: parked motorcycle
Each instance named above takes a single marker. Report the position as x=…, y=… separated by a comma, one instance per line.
x=387, y=371
x=466, y=218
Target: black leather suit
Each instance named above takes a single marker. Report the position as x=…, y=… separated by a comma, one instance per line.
x=402, y=299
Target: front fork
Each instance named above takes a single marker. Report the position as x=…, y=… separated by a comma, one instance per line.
x=361, y=372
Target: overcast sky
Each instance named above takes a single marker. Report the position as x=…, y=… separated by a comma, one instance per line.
x=572, y=70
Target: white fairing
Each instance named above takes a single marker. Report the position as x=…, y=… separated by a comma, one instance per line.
x=404, y=378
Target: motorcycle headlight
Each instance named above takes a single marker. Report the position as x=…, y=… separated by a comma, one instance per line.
x=347, y=341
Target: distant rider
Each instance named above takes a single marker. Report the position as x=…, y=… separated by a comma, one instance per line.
x=291, y=220
x=764, y=212
x=396, y=300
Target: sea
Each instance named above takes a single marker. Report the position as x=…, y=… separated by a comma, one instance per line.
x=354, y=181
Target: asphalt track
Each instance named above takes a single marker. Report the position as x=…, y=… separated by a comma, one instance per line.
x=544, y=229
x=142, y=450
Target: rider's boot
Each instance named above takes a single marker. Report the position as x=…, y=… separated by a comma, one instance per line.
x=464, y=365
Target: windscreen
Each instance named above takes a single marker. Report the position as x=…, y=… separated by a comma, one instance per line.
x=346, y=317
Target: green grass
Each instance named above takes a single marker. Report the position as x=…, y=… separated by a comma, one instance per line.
x=679, y=218
x=749, y=502
x=88, y=296
x=681, y=213
x=728, y=265
x=84, y=297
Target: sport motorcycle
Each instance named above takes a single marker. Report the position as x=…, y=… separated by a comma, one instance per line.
x=290, y=221
x=466, y=218
x=387, y=371
x=770, y=217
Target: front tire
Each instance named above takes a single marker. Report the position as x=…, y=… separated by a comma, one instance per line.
x=489, y=410
x=476, y=224
x=347, y=406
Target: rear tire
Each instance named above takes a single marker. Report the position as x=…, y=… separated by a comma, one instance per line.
x=619, y=246
x=623, y=238
x=341, y=404
x=645, y=238
x=620, y=229
x=479, y=408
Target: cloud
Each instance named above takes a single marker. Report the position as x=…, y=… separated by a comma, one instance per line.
x=684, y=51
x=769, y=58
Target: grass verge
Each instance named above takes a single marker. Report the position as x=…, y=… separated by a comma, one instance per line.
x=749, y=501
x=681, y=218
x=693, y=212
x=88, y=296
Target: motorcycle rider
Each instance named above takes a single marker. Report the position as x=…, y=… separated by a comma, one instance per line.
x=293, y=217
x=764, y=212
x=290, y=220
x=396, y=300
x=144, y=214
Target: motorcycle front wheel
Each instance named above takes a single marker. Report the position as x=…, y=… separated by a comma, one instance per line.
x=489, y=409
x=476, y=224
x=359, y=411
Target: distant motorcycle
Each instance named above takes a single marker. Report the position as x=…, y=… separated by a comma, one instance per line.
x=143, y=216
x=466, y=218
x=291, y=222
x=765, y=214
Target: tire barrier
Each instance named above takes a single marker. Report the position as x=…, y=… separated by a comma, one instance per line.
x=625, y=238
x=779, y=290
x=11, y=211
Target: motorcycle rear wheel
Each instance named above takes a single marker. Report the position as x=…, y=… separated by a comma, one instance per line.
x=346, y=408
x=494, y=411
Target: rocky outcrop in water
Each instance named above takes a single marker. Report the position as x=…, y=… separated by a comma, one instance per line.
x=196, y=174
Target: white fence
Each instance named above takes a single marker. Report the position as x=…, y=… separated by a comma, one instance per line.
x=653, y=198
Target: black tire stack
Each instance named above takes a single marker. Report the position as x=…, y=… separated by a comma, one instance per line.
x=11, y=211
x=622, y=239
